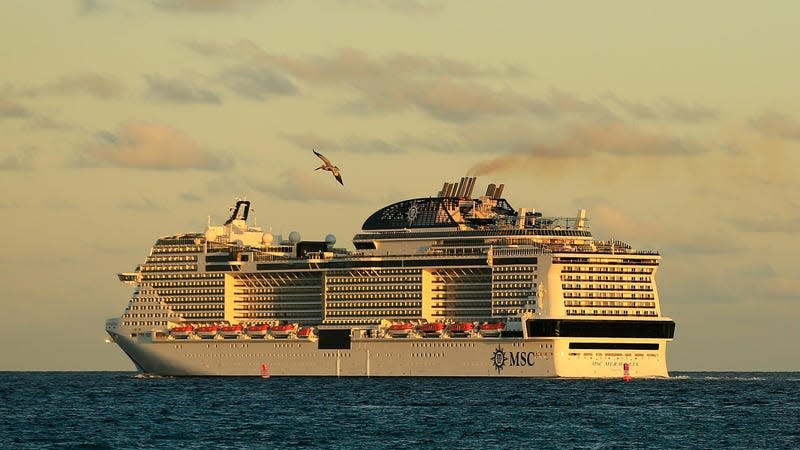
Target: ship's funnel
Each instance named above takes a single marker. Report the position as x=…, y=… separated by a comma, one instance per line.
x=462, y=186
x=499, y=191
x=490, y=190
x=470, y=187
x=443, y=191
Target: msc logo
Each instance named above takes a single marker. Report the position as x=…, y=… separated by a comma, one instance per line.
x=518, y=359
x=499, y=359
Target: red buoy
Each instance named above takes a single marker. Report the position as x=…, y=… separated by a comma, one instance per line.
x=265, y=370
x=626, y=374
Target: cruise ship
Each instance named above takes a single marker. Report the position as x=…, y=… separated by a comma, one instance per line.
x=452, y=285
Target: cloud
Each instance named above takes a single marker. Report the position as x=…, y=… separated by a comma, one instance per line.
x=443, y=88
x=177, y=90
x=304, y=185
x=257, y=82
x=609, y=221
x=11, y=110
x=769, y=223
x=564, y=103
x=615, y=139
x=447, y=89
x=636, y=109
x=141, y=204
x=13, y=163
x=355, y=144
x=402, y=6
x=213, y=6
x=86, y=7
x=664, y=110
x=432, y=142
x=102, y=86
x=444, y=99
x=688, y=112
x=205, y=6
x=145, y=145
x=774, y=124
x=353, y=66
x=46, y=123
x=440, y=87
x=190, y=197
x=349, y=63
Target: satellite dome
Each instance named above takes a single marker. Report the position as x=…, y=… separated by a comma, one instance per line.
x=267, y=238
x=330, y=239
x=294, y=237
x=210, y=235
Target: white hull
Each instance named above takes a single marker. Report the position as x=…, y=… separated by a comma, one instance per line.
x=378, y=357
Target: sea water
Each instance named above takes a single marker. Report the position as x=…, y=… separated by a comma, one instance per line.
x=706, y=410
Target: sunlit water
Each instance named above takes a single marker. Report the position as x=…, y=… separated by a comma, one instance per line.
x=122, y=410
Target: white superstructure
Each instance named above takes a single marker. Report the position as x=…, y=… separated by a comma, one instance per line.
x=448, y=285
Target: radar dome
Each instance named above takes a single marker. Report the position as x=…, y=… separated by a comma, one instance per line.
x=210, y=235
x=294, y=237
x=267, y=238
x=330, y=239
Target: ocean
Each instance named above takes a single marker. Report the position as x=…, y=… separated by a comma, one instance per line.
x=704, y=410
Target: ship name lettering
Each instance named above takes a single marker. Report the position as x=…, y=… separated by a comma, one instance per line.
x=522, y=358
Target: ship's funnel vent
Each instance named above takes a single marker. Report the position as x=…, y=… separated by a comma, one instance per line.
x=499, y=191
x=462, y=186
x=462, y=189
x=470, y=187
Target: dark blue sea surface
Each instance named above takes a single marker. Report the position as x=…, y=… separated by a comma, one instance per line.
x=122, y=410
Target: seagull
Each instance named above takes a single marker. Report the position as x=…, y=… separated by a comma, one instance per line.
x=326, y=165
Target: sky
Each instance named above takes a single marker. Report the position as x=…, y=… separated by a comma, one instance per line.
x=675, y=124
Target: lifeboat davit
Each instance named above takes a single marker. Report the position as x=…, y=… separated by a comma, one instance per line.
x=181, y=332
x=306, y=332
x=400, y=330
x=460, y=329
x=231, y=331
x=257, y=330
x=207, y=332
x=283, y=331
x=491, y=329
x=434, y=329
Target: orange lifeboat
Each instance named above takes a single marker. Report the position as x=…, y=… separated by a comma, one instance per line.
x=181, y=332
x=257, y=331
x=434, y=329
x=460, y=329
x=207, y=332
x=400, y=330
x=306, y=332
x=231, y=331
x=491, y=329
x=283, y=331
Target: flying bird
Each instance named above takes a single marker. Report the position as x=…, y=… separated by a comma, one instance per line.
x=326, y=165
